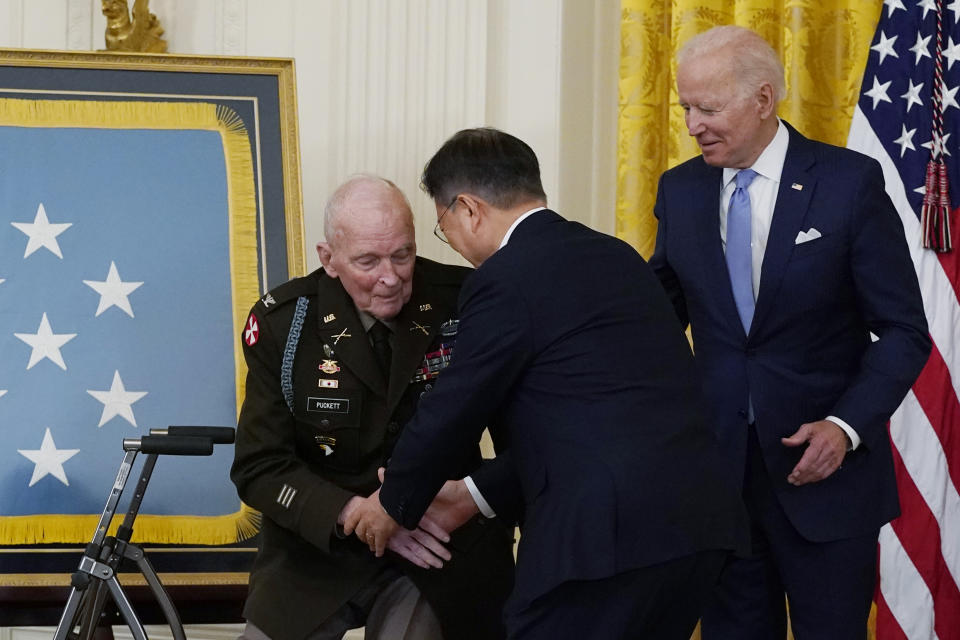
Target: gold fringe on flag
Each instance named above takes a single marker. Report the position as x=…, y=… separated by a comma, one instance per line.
x=245, y=289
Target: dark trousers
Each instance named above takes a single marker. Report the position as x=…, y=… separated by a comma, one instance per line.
x=829, y=585
x=660, y=602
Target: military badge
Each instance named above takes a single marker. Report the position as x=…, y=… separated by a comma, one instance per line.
x=425, y=307
x=329, y=317
x=343, y=334
x=268, y=300
x=329, y=367
x=326, y=383
x=419, y=327
x=449, y=328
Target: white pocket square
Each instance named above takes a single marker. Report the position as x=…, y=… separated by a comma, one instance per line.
x=807, y=236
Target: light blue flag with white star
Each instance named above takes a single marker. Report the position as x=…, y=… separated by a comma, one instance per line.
x=117, y=315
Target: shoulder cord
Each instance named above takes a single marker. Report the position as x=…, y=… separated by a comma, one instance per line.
x=290, y=351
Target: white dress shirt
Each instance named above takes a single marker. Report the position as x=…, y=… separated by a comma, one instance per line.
x=763, y=200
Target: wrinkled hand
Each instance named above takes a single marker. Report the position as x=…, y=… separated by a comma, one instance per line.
x=421, y=547
x=826, y=447
x=371, y=524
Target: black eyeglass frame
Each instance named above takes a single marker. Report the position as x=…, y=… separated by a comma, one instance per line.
x=437, y=231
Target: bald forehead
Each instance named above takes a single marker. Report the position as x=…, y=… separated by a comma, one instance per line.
x=365, y=202
x=371, y=194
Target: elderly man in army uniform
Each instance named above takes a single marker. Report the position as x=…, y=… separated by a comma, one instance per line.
x=338, y=360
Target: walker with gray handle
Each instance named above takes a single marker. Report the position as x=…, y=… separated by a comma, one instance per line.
x=96, y=577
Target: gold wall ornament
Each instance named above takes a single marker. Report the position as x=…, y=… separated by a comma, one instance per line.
x=141, y=32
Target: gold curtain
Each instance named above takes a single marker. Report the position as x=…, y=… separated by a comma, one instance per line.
x=823, y=44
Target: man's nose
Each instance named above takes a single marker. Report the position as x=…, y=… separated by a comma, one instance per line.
x=694, y=123
x=388, y=274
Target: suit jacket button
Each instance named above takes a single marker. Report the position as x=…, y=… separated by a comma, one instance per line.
x=325, y=422
x=393, y=427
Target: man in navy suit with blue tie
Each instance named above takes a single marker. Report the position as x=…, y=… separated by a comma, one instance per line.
x=784, y=255
x=567, y=345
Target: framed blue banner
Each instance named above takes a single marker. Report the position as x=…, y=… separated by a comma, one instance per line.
x=146, y=201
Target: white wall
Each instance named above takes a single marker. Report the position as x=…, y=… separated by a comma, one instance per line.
x=381, y=83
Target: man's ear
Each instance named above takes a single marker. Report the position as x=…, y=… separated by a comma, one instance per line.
x=475, y=210
x=326, y=258
x=766, y=104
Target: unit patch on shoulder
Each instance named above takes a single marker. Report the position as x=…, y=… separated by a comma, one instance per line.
x=252, y=333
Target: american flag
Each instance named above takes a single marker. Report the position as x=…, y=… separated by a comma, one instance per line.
x=907, y=117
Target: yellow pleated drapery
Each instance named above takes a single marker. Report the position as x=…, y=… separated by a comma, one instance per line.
x=823, y=44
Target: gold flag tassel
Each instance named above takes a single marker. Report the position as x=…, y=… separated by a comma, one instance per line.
x=935, y=214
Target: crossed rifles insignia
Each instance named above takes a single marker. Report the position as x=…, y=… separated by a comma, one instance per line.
x=417, y=325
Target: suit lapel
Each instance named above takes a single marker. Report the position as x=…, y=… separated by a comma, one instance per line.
x=788, y=215
x=707, y=205
x=344, y=334
x=416, y=326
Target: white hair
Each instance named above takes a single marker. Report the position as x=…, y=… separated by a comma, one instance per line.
x=358, y=182
x=755, y=63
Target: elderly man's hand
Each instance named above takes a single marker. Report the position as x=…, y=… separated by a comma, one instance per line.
x=420, y=547
x=371, y=524
x=826, y=447
x=423, y=547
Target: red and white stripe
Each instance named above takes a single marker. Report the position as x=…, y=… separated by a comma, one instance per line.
x=919, y=569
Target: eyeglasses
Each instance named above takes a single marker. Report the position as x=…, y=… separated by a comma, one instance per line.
x=437, y=231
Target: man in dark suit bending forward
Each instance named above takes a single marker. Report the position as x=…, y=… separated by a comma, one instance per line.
x=569, y=346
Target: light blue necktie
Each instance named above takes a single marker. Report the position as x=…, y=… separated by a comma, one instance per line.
x=739, y=255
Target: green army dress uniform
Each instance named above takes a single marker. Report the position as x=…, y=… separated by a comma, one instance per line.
x=317, y=421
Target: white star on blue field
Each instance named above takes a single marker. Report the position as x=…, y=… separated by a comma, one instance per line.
x=115, y=314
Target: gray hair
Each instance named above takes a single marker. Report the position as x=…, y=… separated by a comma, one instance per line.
x=754, y=60
x=358, y=182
